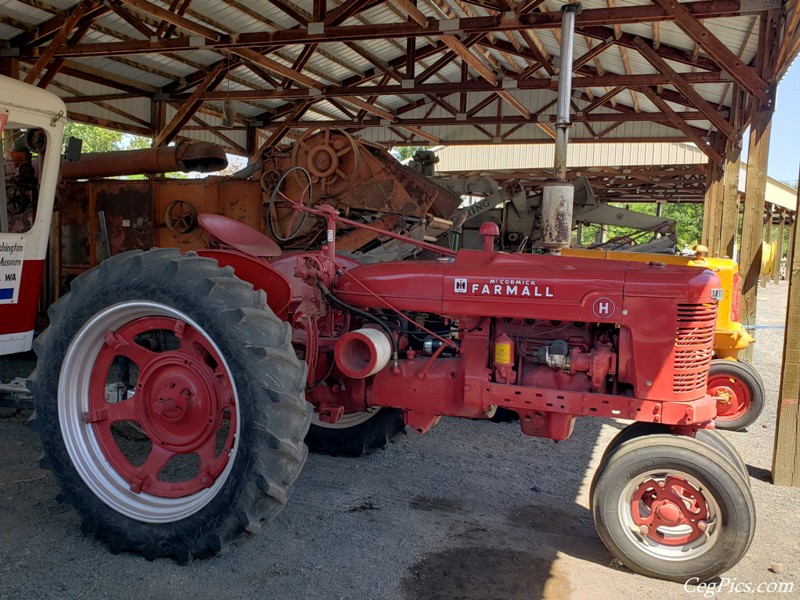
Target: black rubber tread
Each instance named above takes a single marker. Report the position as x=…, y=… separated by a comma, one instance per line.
x=707, y=436
x=383, y=427
x=719, y=479
x=721, y=444
x=270, y=383
x=750, y=377
x=750, y=367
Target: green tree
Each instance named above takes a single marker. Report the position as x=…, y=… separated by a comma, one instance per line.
x=99, y=139
x=404, y=152
x=688, y=221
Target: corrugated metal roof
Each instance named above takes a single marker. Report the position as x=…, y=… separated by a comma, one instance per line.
x=336, y=62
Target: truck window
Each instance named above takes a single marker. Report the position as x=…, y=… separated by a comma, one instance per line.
x=19, y=187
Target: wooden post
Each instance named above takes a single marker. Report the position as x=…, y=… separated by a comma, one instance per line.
x=753, y=218
x=158, y=117
x=712, y=207
x=776, y=269
x=786, y=456
x=729, y=219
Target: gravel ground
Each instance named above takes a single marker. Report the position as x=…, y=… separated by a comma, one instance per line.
x=472, y=510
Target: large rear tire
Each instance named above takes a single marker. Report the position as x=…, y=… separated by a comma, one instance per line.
x=740, y=393
x=356, y=434
x=671, y=507
x=181, y=351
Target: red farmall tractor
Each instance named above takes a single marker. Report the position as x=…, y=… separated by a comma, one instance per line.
x=174, y=392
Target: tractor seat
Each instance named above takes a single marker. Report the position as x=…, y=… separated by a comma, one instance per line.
x=230, y=232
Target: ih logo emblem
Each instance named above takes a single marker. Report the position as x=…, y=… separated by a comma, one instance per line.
x=460, y=285
x=604, y=308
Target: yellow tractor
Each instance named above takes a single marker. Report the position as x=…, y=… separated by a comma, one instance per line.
x=737, y=386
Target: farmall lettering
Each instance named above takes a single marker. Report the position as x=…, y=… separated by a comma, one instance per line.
x=503, y=287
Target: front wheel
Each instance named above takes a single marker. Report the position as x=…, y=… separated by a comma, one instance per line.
x=739, y=391
x=188, y=358
x=673, y=508
x=355, y=434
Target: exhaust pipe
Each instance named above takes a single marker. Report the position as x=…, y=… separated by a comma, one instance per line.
x=557, y=195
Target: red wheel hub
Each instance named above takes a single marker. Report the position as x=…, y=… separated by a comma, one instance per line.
x=733, y=396
x=181, y=401
x=658, y=507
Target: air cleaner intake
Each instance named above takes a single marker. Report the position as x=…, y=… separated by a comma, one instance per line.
x=362, y=353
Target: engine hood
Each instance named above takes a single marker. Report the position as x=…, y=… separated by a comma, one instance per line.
x=519, y=286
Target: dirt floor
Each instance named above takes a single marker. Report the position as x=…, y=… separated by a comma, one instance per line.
x=472, y=510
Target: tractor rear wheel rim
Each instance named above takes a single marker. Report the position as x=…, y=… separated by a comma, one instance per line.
x=184, y=402
x=732, y=394
x=347, y=421
x=669, y=515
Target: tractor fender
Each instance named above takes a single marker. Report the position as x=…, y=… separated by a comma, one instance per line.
x=257, y=272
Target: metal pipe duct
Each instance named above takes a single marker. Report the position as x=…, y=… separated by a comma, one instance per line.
x=184, y=157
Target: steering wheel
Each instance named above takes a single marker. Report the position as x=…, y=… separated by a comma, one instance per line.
x=291, y=227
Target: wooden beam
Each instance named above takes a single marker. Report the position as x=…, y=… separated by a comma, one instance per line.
x=724, y=56
x=181, y=22
x=344, y=11
x=59, y=38
x=122, y=12
x=423, y=134
x=786, y=456
x=650, y=79
x=188, y=108
x=678, y=122
x=497, y=23
x=492, y=119
x=279, y=68
x=370, y=108
x=290, y=10
x=593, y=52
x=56, y=65
x=598, y=102
x=686, y=89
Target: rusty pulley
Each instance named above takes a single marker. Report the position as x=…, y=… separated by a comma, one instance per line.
x=331, y=157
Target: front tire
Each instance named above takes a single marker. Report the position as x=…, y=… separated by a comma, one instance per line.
x=192, y=358
x=673, y=508
x=739, y=391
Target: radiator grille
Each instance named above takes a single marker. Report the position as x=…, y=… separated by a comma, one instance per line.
x=694, y=344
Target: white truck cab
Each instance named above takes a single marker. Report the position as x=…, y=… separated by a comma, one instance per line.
x=32, y=127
